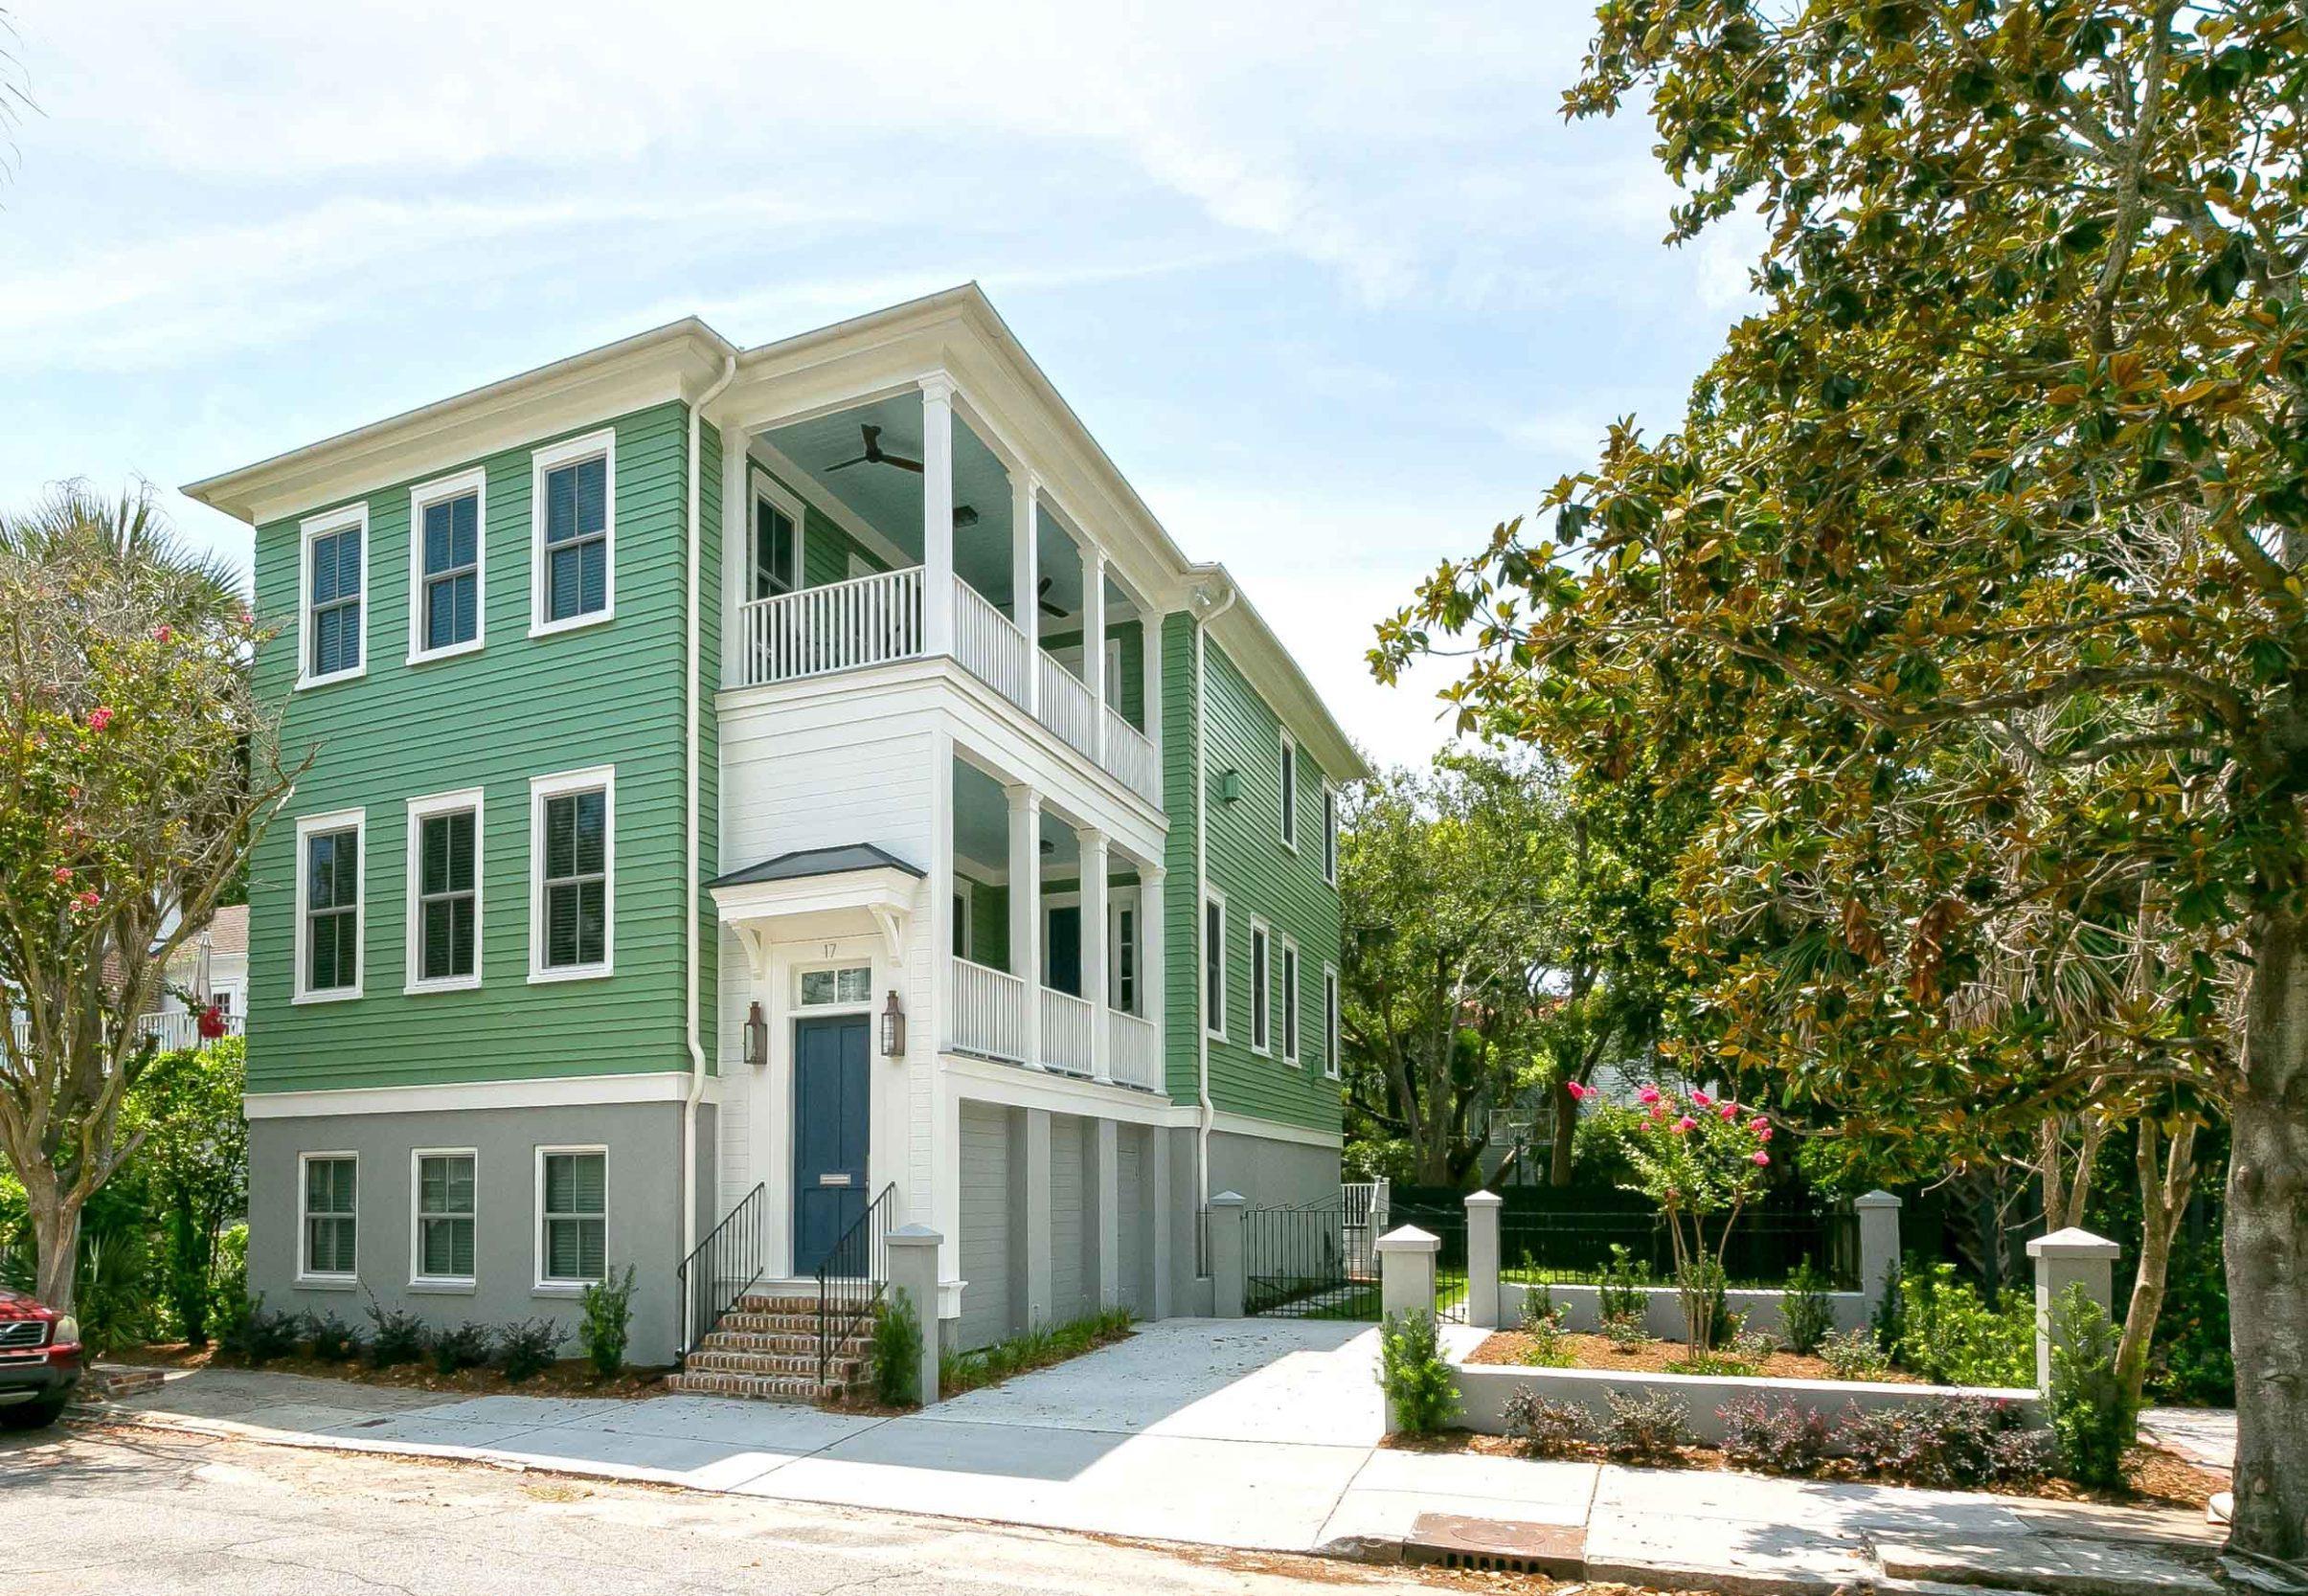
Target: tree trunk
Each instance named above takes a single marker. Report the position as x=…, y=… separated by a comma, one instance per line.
x=2267, y=1248
x=55, y=1230
x=1563, y=1132
x=2166, y=1182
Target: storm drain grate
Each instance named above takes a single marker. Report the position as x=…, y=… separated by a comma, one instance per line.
x=1495, y=1546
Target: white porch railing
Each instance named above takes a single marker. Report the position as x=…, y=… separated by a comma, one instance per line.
x=1131, y=756
x=1133, y=1050
x=1066, y=1021
x=867, y=621
x=989, y=1011
x=1066, y=706
x=176, y=1031
x=989, y=646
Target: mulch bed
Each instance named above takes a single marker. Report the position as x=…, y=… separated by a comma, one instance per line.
x=2155, y=1478
x=1597, y=1352
x=571, y=1377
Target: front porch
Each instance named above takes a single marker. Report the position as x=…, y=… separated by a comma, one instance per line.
x=893, y=530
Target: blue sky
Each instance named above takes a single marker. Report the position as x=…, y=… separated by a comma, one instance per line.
x=1336, y=287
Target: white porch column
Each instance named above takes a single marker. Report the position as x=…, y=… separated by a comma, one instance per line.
x=937, y=514
x=737, y=512
x=1094, y=642
x=1153, y=987
x=1097, y=976
x=1150, y=626
x=1026, y=908
x=1026, y=577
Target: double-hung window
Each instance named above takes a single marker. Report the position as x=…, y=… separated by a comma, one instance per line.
x=1290, y=791
x=1290, y=1002
x=574, y=529
x=445, y=521
x=572, y=869
x=1261, y=988
x=1213, y=965
x=330, y=1217
x=573, y=1207
x=445, y=1211
x=1330, y=1021
x=776, y=540
x=335, y=581
x=1124, y=994
x=445, y=893
x=328, y=906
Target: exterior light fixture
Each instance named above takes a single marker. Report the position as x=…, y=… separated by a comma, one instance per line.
x=893, y=1029
x=757, y=1036
x=1229, y=786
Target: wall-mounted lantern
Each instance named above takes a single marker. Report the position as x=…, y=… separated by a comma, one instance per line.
x=1229, y=786
x=757, y=1036
x=893, y=1029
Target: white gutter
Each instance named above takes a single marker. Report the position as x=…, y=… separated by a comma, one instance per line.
x=1202, y=876
x=690, y=690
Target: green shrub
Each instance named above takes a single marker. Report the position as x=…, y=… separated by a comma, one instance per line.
x=1805, y=1311
x=1645, y=1429
x=1627, y=1332
x=1946, y=1443
x=1547, y=1429
x=608, y=1323
x=1037, y=1348
x=1422, y=1396
x=528, y=1349
x=2091, y=1423
x=395, y=1336
x=330, y=1339
x=260, y=1335
x=1700, y=1285
x=1949, y=1336
x=1781, y=1440
x=465, y=1347
x=1887, y=1317
x=1620, y=1295
x=1539, y=1308
x=1854, y=1355
x=896, y=1353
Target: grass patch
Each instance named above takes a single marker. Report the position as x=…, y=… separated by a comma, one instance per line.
x=1036, y=1349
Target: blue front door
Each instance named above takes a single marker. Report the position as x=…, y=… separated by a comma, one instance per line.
x=831, y=1079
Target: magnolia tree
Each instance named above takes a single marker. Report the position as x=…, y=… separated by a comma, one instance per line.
x=1703, y=1161
x=139, y=770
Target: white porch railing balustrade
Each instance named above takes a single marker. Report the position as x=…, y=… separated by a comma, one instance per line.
x=1131, y=756
x=989, y=1011
x=176, y=1031
x=1066, y=1021
x=867, y=621
x=1066, y=706
x=1133, y=1050
x=990, y=647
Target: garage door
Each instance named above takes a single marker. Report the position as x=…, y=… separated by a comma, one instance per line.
x=1068, y=1298
x=1129, y=1167
x=985, y=1225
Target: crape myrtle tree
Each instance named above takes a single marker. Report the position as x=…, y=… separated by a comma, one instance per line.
x=138, y=770
x=2013, y=455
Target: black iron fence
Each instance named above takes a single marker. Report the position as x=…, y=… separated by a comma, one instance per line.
x=723, y=1267
x=1306, y=1264
x=1566, y=1246
x=853, y=1277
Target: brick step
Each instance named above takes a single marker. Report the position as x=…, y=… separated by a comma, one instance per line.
x=722, y=1382
x=754, y=1303
x=798, y=1364
x=749, y=1323
x=781, y=1340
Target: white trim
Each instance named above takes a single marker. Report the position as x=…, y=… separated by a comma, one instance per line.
x=1329, y=833
x=558, y=785
x=310, y=531
x=1261, y=1004
x=570, y=452
x=556, y=1285
x=1286, y=785
x=860, y=567
x=966, y=890
x=1217, y=1032
x=309, y=825
x=1333, y=1026
x=656, y=1085
x=821, y=496
x=420, y=809
x=760, y=485
x=1243, y=1125
x=420, y=496
x=306, y=1276
x=1294, y=1021
x=419, y=1280
x=800, y=1010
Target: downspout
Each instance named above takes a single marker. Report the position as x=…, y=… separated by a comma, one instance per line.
x=1202, y=876
x=696, y=1092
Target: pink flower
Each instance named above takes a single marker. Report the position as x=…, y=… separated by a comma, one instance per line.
x=1761, y=1158
x=1763, y=1134
x=1648, y=1094
x=1759, y=1125
x=89, y=900
x=1684, y=1123
x=1700, y=1098
x=101, y=719
x=1730, y=1112
x=1576, y=1091
x=162, y=634
x=63, y=874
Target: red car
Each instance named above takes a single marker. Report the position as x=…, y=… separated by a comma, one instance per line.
x=40, y=1362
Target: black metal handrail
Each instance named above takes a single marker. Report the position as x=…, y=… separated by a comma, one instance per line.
x=852, y=1278
x=736, y=1250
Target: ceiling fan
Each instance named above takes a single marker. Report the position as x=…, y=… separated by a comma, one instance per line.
x=875, y=455
x=1042, y=595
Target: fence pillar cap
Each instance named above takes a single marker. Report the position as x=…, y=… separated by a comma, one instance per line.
x=914, y=1235
x=1484, y=1200
x=1409, y=1239
x=1877, y=1198
x=2073, y=1243
x=1230, y=1199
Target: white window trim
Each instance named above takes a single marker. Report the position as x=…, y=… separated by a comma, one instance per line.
x=1261, y=932
x=819, y=1011
x=1333, y=1024
x=476, y=483
x=1214, y=1022
x=569, y=452
x=546, y=1285
x=413, y=950
x=1286, y=791
x=766, y=487
x=305, y=1274
x=966, y=891
x=419, y=1280
x=312, y=528
x=1291, y=971
x=337, y=819
x=1329, y=833
x=541, y=788
x=1117, y=900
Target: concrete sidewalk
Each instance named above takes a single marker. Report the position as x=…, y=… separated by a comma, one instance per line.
x=1253, y=1435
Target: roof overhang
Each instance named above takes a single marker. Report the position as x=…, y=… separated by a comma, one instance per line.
x=802, y=908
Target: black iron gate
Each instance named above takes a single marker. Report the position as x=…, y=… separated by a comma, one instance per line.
x=1447, y=1224
x=1322, y=1261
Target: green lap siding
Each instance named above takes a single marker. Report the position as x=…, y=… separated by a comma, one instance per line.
x=521, y=707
